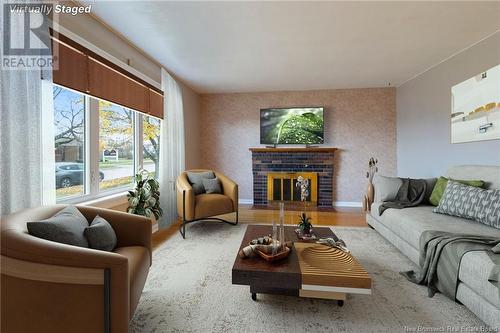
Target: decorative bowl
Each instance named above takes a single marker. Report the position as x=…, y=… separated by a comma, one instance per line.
x=278, y=256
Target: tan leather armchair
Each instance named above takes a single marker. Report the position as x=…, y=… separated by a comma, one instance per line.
x=53, y=287
x=205, y=206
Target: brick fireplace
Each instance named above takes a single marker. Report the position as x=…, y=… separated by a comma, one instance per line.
x=317, y=160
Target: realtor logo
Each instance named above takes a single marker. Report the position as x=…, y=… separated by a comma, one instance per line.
x=26, y=40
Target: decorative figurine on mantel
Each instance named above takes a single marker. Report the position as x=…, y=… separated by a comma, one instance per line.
x=370, y=192
x=305, y=226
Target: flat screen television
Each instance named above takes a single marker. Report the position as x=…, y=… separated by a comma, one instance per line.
x=297, y=125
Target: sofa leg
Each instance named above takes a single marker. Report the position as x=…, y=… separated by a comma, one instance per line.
x=107, y=301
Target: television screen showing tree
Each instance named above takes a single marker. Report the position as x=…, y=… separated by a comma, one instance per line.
x=292, y=126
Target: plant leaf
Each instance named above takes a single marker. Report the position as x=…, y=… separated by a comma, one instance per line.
x=306, y=128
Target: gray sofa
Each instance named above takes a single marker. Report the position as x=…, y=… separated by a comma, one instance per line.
x=403, y=229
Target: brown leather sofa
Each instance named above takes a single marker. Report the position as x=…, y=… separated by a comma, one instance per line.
x=52, y=287
x=205, y=206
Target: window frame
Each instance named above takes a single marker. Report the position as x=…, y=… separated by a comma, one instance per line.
x=92, y=156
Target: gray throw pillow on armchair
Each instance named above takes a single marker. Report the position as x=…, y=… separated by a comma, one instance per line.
x=66, y=227
x=100, y=235
x=212, y=186
x=196, y=180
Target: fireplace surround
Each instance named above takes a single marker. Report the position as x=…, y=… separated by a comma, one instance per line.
x=318, y=160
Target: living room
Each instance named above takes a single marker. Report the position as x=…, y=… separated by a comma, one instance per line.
x=178, y=166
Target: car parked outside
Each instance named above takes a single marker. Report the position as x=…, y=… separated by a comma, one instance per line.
x=70, y=174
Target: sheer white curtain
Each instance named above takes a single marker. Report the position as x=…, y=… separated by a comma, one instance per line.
x=26, y=137
x=171, y=147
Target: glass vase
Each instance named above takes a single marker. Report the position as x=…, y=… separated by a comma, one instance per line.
x=275, y=238
x=282, y=226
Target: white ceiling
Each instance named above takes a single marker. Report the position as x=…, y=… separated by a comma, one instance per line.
x=273, y=46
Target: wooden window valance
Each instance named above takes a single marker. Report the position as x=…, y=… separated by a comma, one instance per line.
x=83, y=70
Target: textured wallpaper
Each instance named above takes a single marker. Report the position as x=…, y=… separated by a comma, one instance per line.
x=359, y=122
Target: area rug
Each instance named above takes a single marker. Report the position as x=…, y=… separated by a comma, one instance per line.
x=189, y=290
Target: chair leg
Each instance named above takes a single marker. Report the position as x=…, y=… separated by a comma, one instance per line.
x=182, y=228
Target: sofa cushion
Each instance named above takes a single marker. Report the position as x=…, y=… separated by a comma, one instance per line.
x=440, y=187
x=386, y=188
x=66, y=226
x=472, y=203
x=475, y=269
x=410, y=223
x=490, y=174
x=100, y=235
x=138, y=268
x=212, y=204
x=196, y=180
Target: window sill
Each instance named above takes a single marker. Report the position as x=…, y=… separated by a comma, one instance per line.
x=107, y=201
x=110, y=201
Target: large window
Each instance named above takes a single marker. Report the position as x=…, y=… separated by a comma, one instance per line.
x=69, y=139
x=116, y=145
x=99, y=146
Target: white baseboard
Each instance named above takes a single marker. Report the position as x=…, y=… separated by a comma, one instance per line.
x=245, y=201
x=335, y=204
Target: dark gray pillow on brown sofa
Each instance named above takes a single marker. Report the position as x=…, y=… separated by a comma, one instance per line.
x=196, y=180
x=66, y=226
x=100, y=235
x=212, y=185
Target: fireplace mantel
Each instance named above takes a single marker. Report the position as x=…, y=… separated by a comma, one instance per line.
x=318, y=160
x=293, y=149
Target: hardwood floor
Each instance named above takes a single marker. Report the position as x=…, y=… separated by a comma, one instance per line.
x=352, y=217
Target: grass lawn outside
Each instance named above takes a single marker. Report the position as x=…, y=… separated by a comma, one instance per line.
x=112, y=164
x=121, y=162
x=104, y=185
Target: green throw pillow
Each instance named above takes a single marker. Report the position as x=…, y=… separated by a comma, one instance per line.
x=438, y=190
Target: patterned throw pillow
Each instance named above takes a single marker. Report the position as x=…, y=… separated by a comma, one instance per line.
x=471, y=203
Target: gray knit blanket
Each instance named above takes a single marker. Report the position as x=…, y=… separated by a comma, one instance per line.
x=411, y=193
x=440, y=256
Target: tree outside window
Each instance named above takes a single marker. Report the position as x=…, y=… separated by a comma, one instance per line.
x=151, y=144
x=116, y=145
x=69, y=141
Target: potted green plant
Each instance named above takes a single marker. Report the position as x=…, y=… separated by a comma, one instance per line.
x=145, y=198
x=305, y=224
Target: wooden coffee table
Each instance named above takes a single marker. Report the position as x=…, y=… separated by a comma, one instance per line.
x=311, y=270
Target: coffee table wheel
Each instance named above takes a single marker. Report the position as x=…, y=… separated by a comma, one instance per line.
x=340, y=302
x=254, y=297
